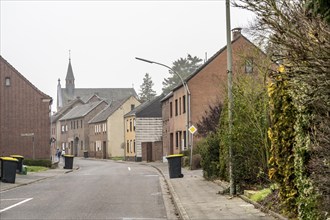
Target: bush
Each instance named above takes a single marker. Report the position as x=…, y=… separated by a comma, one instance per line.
x=196, y=162
x=185, y=161
x=38, y=162
x=209, y=156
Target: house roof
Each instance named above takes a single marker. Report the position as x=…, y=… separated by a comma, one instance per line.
x=65, y=109
x=148, y=109
x=108, y=111
x=108, y=94
x=81, y=110
x=23, y=78
x=169, y=95
x=205, y=64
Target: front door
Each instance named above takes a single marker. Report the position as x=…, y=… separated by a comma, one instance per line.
x=104, y=148
x=75, y=147
x=149, y=151
x=171, y=144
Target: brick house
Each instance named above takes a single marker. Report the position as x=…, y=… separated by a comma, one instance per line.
x=143, y=132
x=106, y=129
x=24, y=115
x=207, y=86
x=75, y=129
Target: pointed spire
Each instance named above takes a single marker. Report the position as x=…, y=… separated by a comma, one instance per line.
x=69, y=74
x=69, y=80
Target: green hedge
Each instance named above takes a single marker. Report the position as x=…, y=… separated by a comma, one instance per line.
x=38, y=162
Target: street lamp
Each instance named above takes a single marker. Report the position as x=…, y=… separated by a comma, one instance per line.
x=185, y=85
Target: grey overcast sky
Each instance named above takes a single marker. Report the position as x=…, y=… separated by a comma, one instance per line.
x=105, y=37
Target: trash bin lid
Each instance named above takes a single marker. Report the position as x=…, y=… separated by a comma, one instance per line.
x=174, y=155
x=17, y=156
x=68, y=155
x=8, y=159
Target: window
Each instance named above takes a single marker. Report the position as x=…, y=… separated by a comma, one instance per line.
x=185, y=139
x=176, y=107
x=127, y=146
x=63, y=128
x=130, y=125
x=179, y=106
x=249, y=65
x=171, y=113
x=81, y=145
x=134, y=147
x=184, y=104
x=180, y=139
x=134, y=123
x=7, y=81
x=130, y=146
x=132, y=107
x=176, y=140
x=66, y=128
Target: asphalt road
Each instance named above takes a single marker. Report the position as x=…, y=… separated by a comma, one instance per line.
x=98, y=190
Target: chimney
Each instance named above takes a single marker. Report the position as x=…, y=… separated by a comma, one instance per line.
x=236, y=32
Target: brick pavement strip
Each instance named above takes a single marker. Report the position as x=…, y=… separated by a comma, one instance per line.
x=197, y=198
x=201, y=200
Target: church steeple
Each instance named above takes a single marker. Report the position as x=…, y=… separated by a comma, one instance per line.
x=69, y=80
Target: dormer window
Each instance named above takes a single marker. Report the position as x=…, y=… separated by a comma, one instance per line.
x=7, y=81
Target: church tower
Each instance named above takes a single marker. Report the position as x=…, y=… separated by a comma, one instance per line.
x=59, y=96
x=69, y=82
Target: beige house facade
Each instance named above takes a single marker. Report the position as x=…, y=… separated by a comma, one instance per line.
x=110, y=141
x=75, y=128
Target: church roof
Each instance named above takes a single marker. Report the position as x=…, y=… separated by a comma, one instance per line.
x=108, y=94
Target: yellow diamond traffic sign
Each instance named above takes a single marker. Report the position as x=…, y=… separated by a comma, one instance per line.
x=192, y=129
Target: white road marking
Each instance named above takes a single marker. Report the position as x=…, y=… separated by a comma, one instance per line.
x=17, y=204
x=129, y=169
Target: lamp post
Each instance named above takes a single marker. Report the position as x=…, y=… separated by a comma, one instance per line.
x=230, y=99
x=185, y=85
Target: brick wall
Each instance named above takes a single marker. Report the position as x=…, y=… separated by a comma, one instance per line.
x=207, y=87
x=23, y=109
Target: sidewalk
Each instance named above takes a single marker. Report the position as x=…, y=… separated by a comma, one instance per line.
x=32, y=177
x=196, y=198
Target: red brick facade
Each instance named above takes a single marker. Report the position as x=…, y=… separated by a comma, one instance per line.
x=23, y=110
x=208, y=86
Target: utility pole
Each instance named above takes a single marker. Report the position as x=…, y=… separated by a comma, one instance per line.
x=230, y=98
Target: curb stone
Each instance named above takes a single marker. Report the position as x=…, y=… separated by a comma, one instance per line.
x=262, y=208
x=182, y=212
